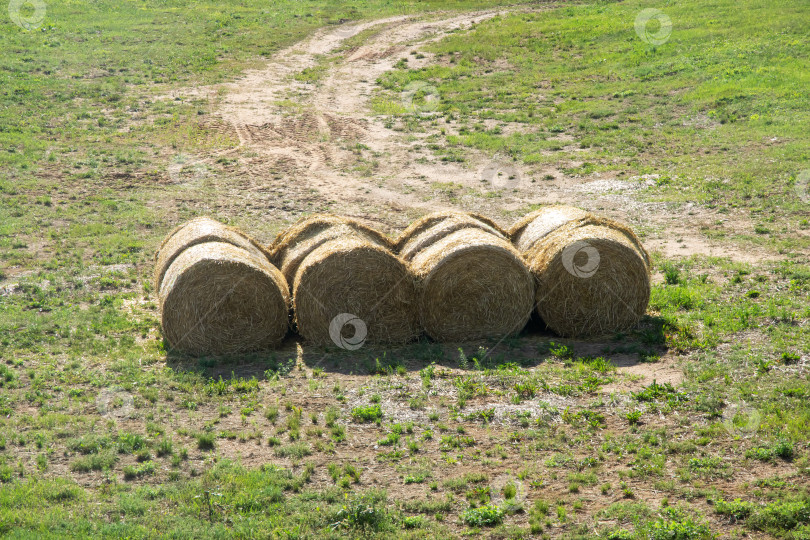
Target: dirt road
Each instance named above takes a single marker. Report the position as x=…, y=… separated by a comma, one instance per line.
x=308, y=141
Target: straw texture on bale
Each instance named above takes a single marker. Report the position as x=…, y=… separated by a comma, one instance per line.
x=433, y=227
x=472, y=283
x=440, y=224
x=592, y=273
x=339, y=266
x=293, y=245
x=198, y=231
x=218, y=299
x=538, y=224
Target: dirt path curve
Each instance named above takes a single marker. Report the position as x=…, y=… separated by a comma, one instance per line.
x=307, y=134
x=314, y=130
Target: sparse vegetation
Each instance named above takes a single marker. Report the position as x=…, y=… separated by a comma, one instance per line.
x=488, y=516
x=372, y=413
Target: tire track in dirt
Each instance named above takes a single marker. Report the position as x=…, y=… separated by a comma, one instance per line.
x=319, y=136
x=316, y=125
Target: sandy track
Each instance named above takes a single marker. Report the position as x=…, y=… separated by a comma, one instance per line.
x=331, y=117
x=322, y=139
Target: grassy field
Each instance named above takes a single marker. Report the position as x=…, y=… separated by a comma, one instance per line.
x=694, y=425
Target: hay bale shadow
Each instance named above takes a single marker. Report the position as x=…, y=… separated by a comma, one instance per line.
x=259, y=364
x=531, y=348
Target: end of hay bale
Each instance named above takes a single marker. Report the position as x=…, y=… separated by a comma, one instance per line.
x=472, y=283
x=592, y=279
x=219, y=299
x=198, y=231
x=350, y=275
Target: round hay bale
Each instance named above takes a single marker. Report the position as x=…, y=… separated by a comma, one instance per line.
x=472, y=283
x=593, y=274
x=538, y=224
x=344, y=274
x=218, y=299
x=199, y=231
x=433, y=227
x=293, y=245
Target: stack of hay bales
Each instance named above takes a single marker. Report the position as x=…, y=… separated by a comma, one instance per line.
x=339, y=268
x=218, y=292
x=593, y=274
x=472, y=283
